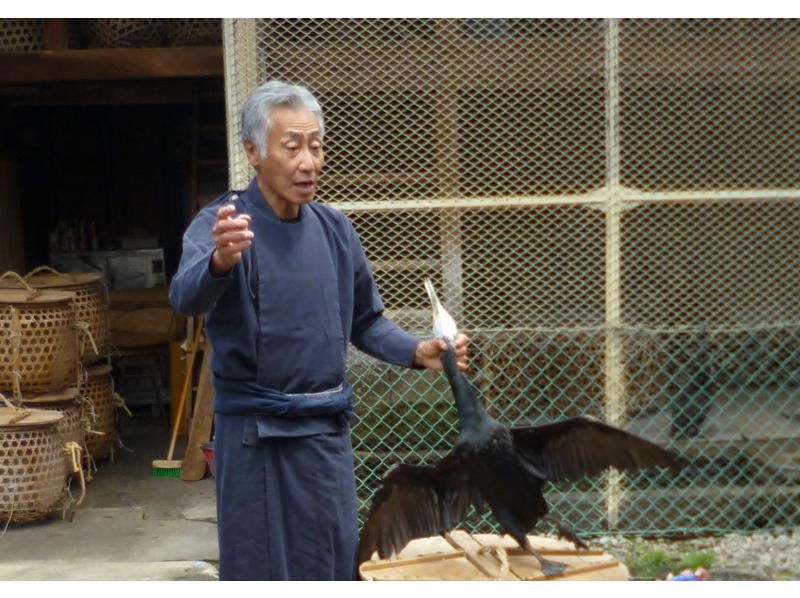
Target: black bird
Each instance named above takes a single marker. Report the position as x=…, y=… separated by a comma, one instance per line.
x=491, y=464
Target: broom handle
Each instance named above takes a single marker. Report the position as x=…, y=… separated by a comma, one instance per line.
x=187, y=380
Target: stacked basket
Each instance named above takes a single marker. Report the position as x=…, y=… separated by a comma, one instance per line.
x=91, y=307
x=71, y=428
x=96, y=397
x=38, y=366
x=123, y=33
x=21, y=35
x=99, y=396
x=31, y=464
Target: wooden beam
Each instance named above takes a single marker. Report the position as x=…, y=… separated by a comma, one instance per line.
x=100, y=93
x=55, y=34
x=108, y=64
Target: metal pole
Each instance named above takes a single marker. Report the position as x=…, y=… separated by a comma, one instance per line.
x=449, y=174
x=241, y=76
x=614, y=366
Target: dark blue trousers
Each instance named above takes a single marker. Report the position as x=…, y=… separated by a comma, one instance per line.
x=286, y=506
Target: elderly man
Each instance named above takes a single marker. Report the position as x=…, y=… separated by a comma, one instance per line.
x=286, y=286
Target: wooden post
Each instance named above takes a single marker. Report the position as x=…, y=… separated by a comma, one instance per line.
x=193, y=467
x=12, y=246
x=614, y=366
x=55, y=34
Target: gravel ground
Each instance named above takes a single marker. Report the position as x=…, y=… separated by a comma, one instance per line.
x=763, y=556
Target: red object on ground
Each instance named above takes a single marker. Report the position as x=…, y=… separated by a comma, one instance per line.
x=208, y=453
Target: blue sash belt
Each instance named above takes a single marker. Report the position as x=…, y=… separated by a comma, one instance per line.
x=236, y=396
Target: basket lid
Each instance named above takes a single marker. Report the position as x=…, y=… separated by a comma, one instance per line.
x=18, y=296
x=54, y=280
x=461, y=556
x=62, y=396
x=100, y=369
x=15, y=419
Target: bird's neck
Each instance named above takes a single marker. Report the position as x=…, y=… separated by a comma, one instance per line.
x=470, y=409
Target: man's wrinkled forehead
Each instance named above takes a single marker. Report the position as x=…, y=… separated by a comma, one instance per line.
x=291, y=121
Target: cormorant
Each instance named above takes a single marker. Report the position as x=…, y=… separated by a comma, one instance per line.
x=491, y=464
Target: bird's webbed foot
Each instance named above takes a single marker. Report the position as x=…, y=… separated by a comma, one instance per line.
x=549, y=568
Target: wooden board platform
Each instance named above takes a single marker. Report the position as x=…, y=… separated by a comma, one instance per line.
x=461, y=556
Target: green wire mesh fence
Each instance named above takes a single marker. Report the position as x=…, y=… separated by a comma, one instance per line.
x=609, y=208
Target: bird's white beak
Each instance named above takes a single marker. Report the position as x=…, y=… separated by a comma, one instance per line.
x=443, y=323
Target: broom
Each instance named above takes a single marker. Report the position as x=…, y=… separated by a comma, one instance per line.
x=169, y=468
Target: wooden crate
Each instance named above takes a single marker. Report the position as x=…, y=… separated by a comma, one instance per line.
x=461, y=556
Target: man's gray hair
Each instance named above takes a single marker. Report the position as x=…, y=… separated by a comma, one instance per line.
x=258, y=106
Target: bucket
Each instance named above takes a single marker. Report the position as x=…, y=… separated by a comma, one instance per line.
x=208, y=453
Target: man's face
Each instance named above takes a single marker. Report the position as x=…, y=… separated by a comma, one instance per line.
x=289, y=174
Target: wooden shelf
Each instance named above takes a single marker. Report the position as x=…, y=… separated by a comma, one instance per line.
x=109, y=64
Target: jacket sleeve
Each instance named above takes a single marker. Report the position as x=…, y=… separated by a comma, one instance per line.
x=194, y=290
x=372, y=333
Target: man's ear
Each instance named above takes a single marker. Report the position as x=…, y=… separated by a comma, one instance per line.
x=251, y=151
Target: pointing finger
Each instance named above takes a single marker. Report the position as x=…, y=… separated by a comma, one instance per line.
x=226, y=211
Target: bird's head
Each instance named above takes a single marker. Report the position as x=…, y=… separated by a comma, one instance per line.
x=443, y=323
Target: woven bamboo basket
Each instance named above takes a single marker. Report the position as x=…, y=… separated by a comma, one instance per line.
x=69, y=429
x=21, y=35
x=98, y=410
x=31, y=464
x=38, y=341
x=461, y=556
x=124, y=33
x=194, y=32
x=91, y=305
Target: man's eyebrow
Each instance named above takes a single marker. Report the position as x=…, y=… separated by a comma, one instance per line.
x=300, y=135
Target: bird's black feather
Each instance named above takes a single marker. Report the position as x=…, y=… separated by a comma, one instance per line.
x=417, y=501
x=580, y=446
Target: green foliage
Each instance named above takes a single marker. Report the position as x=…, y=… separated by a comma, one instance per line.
x=649, y=565
x=657, y=563
x=697, y=559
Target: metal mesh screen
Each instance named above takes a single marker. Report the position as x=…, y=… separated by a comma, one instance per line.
x=610, y=210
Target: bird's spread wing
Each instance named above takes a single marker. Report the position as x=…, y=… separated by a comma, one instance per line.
x=416, y=501
x=579, y=446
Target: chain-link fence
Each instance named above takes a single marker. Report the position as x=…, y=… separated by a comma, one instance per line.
x=609, y=208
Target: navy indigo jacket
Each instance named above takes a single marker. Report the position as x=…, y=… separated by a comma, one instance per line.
x=281, y=320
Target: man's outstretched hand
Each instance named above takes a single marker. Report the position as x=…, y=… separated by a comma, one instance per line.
x=231, y=237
